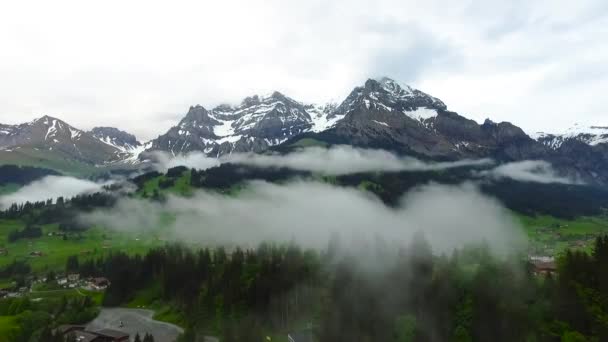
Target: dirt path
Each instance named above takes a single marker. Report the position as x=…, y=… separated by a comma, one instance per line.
x=135, y=321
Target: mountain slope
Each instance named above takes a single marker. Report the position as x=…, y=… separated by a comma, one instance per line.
x=381, y=113
x=114, y=137
x=53, y=143
x=593, y=136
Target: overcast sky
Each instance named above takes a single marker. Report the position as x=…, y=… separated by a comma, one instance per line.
x=139, y=65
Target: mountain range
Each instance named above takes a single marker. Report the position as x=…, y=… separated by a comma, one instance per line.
x=378, y=114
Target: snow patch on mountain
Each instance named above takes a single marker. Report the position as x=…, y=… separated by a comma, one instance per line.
x=421, y=113
x=591, y=135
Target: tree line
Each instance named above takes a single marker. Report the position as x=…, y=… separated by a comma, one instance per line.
x=407, y=294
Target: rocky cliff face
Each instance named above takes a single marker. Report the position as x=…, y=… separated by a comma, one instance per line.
x=115, y=137
x=253, y=126
x=386, y=114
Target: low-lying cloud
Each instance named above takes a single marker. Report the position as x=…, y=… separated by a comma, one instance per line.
x=536, y=171
x=336, y=160
x=309, y=213
x=162, y=161
x=50, y=187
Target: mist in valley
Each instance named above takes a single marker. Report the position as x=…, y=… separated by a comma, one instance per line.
x=310, y=213
x=50, y=187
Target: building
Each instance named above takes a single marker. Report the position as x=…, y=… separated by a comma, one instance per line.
x=99, y=283
x=109, y=335
x=72, y=278
x=65, y=329
x=86, y=336
x=541, y=258
x=83, y=335
x=544, y=268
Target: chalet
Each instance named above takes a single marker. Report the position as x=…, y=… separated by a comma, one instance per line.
x=62, y=281
x=100, y=283
x=86, y=336
x=544, y=267
x=65, y=329
x=109, y=335
x=74, y=277
x=36, y=254
x=541, y=258
x=80, y=334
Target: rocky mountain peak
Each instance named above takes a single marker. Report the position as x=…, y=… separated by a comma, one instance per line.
x=197, y=115
x=387, y=95
x=590, y=135
x=115, y=137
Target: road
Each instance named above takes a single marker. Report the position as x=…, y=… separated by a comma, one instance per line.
x=135, y=321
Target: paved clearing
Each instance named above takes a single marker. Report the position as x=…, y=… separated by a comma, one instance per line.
x=135, y=321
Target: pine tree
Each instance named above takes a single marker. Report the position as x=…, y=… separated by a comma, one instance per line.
x=137, y=338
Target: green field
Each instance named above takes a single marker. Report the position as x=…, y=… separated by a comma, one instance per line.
x=55, y=250
x=181, y=186
x=549, y=235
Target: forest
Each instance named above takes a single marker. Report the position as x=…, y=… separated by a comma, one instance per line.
x=375, y=293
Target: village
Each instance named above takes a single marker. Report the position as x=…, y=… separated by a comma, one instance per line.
x=33, y=285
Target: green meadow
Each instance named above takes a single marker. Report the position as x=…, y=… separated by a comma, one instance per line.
x=550, y=235
x=55, y=249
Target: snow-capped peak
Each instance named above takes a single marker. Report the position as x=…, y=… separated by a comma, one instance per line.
x=394, y=88
x=116, y=138
x=591, y=135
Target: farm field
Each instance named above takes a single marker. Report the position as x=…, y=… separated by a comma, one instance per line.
x=550, y=236
x=55, y=248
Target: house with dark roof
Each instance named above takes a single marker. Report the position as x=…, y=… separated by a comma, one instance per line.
x=110, y=335
x=544, y=268
x=85, y=336
x=65, y=329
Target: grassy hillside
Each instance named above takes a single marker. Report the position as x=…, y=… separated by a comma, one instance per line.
x=57, y=161
x=163, y=184
x=550, y=235
x=55, y=249
x=54, y=160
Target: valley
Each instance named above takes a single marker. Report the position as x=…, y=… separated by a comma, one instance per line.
x=241, y=223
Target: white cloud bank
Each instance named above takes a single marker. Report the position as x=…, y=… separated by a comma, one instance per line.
x=336, y=160
x=50, y=187
x=309, y=213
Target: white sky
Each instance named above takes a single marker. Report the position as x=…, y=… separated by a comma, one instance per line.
x=139, y=65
